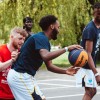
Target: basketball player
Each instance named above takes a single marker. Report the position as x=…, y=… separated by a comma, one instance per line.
x=34, y=51
x=8, y=55
x=27, y=25
x=88, y=77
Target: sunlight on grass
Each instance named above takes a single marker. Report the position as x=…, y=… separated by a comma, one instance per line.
x=63, y=59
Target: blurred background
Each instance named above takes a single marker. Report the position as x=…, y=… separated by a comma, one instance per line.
x=72, y=14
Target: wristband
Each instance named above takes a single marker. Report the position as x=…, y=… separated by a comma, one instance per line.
x=96, y=74
x=66, y=48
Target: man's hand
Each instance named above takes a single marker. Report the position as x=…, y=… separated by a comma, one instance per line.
x=98, y=80
x=72, y=70
x=71, y=47
x=14, y=55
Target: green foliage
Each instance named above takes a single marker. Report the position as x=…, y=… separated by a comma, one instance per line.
x=72, y=14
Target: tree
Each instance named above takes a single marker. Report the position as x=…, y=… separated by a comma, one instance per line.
x=72, y=14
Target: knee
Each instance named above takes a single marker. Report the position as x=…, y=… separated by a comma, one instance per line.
x=94, y=92
x=91, y=92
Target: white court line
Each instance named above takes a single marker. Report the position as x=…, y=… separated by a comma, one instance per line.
x=62, y=88
x=67, y=96
x=56, y=80
x=56, y=84
x=55, y=88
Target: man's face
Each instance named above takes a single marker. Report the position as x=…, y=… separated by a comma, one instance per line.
x=28, y=24
x=17, y=41
x=97, y=14
x=55, y=30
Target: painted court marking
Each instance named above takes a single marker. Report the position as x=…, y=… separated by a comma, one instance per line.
x=68, y=96
x=56, y=80
x=60, y=86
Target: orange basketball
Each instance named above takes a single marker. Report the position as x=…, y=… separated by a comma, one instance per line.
x=77, y=57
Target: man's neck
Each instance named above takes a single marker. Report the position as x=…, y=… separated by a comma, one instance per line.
x=29, y=31
x=10, y=47
x=96, y=23
x=47, y=33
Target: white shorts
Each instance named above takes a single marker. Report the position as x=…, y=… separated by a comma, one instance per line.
x=85, y=78
x=23, y=86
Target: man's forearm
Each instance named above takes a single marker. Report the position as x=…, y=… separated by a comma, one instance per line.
x=4, y=65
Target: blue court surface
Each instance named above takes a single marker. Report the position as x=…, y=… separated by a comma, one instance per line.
x=60, y=86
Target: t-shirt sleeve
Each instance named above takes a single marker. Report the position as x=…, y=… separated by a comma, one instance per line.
x=42, y=43
x=89, y=34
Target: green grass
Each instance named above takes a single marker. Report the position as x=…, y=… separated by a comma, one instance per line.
x=98, y=63
x=62, y=60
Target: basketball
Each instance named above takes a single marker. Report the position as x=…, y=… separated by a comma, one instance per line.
x=78, y=57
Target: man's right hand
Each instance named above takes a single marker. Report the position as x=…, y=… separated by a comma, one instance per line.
x=14, y=55
x=71, y=47
x=98, y=80
x=72, y=70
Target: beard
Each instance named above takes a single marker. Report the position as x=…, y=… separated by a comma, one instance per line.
x=97, y=16
x=97, y=19
x=54, y=34
x=27, y=27
x=16, y=46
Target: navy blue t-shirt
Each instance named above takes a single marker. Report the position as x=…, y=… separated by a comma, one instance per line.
x=92, y=33
x=29, y=59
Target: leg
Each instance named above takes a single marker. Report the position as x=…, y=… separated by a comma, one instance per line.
x=24, y=86
x=89, y=93
x=37, y=94
x=37, y=97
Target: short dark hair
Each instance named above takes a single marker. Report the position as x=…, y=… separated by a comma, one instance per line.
x=96, y=5
x=46, y=21
x=27, y=19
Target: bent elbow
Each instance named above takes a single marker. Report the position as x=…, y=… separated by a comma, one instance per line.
x=48, y=69
x=45, y=59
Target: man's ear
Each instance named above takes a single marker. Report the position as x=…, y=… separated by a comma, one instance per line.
x=52, y=26
x=11, y=36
